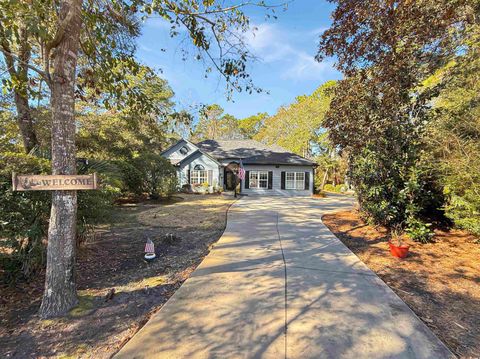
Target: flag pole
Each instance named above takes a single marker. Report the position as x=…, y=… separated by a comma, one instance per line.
x=236, y=180
x=235, y=187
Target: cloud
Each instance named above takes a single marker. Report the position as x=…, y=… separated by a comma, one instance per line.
x=306, y=67
x=318, y=31
x=272, y=44
x=266, y=43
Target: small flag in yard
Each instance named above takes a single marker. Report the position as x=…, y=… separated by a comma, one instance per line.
x=241, y=171
x=149, y=246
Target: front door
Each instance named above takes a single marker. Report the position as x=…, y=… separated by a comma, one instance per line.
x=229, y=180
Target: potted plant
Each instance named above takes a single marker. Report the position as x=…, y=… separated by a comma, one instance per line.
x=397, y=247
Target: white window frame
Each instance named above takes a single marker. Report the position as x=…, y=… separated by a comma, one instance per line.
x=295, y=180
x=258, y=180
x=198, y=176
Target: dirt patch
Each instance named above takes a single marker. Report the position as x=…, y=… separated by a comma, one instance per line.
x=112, y=262
x=439, y=281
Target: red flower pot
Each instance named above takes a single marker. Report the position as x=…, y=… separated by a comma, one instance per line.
x=399, y=251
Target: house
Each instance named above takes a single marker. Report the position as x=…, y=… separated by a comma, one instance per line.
x=269, y=169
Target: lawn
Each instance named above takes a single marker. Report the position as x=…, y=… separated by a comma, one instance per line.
x=118, y=290
x=440, y=281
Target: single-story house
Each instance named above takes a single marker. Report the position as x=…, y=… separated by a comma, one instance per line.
x=269, y=169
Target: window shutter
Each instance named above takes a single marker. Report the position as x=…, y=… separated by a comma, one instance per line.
x=210, y=177
x=188, y=177
x=270, y=179
x=247, y=179
x=307, y=180
x=282, y=182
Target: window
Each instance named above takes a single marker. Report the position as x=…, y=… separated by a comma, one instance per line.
x=258, y=179
x=198, y=175
x=295, y=180
x=184, y=150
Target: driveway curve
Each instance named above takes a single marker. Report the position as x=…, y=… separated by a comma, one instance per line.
x=279, y=284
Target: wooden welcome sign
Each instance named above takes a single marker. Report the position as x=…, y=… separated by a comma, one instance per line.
x=54, y=182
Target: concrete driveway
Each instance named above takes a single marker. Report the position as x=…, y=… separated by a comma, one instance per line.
x=278, y=284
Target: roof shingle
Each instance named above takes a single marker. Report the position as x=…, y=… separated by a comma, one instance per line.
x=251, y=152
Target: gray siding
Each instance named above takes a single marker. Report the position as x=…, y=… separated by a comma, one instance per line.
x=208, y=163
x=173, y=153
x=276, y=183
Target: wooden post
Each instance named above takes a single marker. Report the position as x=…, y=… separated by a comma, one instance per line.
x=14, y=181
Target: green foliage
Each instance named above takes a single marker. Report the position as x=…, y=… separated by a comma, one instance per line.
x=297, y=127
x=159, y=178
x=381, y=112
x=376, y=189
x=10, y=139
x=455, y=133
x=94, y=207
x=215, y=125
x=132, y=180
x=251, y=125
x=464, y=210
x=392, y=190
x=23, y=217
x=419, y=231
x=329, y=187
x=339, y=188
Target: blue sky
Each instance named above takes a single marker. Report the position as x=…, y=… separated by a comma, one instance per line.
x=285, y=67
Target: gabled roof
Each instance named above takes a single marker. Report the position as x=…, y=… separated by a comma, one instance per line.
x=182, y=140
x=194, y=155
x=251, y=152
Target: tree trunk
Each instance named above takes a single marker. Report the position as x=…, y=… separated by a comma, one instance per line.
x=25, y=121
x=324, y=180
x=60, y=285
x=20, y=91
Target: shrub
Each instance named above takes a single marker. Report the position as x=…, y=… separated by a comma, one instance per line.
x=418, y=230
x=159, y=176
x=132, y=178
x=94, y=207
x=329, y=187
x=23, y=217
x=392, y=188
x=464, y=210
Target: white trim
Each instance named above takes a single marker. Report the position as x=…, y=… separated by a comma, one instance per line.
x=258, y=179
x=198, y=176
x=298, y=181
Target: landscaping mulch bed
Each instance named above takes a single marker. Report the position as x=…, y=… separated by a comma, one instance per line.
x=118, y=289
x=440, y=281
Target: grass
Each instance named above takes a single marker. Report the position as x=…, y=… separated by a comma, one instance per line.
x=85, y=306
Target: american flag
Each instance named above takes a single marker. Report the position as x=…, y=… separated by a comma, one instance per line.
x=241, y=171
x=149, y=246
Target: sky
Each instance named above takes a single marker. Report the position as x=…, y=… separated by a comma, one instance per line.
x=285, y=67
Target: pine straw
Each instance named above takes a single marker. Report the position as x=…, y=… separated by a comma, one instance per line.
x=440, y=281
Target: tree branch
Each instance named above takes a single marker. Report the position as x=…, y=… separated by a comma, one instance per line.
x=234, y=7
x=33, y=68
